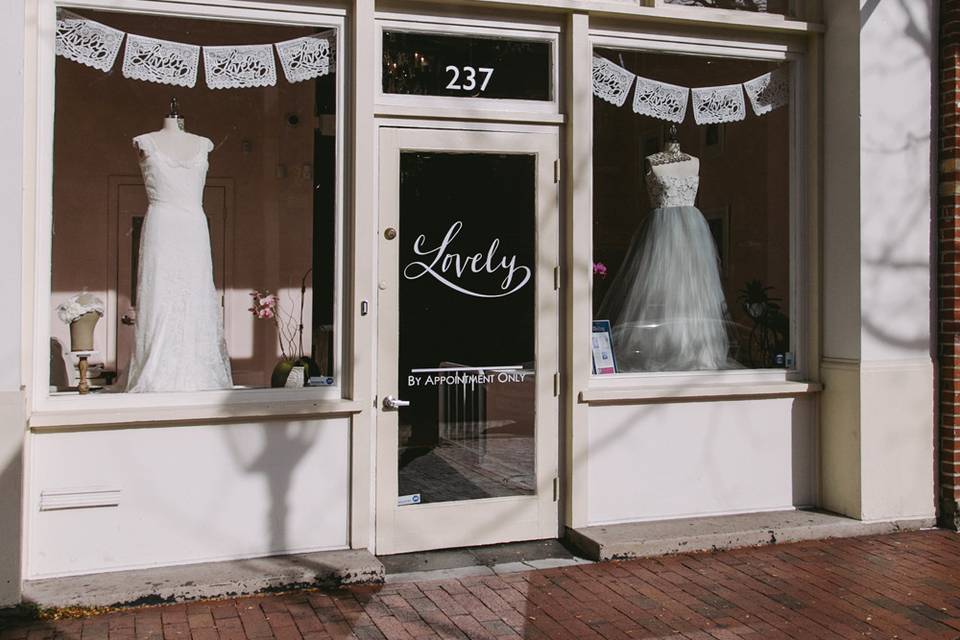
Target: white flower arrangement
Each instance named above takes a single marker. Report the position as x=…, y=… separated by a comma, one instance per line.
x=79, y=305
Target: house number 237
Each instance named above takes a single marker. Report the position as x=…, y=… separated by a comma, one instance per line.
x=469, y=80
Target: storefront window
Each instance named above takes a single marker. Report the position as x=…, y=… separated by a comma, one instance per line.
x=195, y=195
x=691, y=222
x=763, y=6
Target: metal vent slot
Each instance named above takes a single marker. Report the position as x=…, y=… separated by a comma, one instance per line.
x=79, y=498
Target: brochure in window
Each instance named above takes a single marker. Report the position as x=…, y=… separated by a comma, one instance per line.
x=601, y=343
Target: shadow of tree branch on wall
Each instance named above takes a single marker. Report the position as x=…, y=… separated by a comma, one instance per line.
x=898, y=276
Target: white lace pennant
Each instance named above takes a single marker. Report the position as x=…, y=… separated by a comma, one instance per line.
x=305, y=58
x=719, y=104
x=161, y=61
x=660, y=100
x=611, y=82
x=239, y=67
x=87, y=42
x=768, y=92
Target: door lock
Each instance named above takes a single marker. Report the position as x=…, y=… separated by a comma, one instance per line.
x=389, y=402
x=389, y=233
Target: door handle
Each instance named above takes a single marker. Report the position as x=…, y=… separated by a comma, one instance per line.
x=389, y=402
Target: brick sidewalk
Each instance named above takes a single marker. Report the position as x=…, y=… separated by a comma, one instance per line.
x=898, y=586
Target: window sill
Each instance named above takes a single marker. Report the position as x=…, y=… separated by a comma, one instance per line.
x=153, y=413
x=647, y=394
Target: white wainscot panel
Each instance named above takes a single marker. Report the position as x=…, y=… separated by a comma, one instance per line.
x=188, y=494
x=656, y=461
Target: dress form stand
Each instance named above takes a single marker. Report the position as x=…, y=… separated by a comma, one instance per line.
x=172, y=138
x=672, y=162
x=83, y=383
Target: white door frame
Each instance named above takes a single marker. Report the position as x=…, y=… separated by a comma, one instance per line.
x=489, y=520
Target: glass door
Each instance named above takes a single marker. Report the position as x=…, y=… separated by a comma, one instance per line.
x=468, y=339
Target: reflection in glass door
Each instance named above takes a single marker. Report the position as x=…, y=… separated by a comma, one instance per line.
x=467, y=435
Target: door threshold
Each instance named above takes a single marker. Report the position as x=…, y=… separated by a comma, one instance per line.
x=487, y=560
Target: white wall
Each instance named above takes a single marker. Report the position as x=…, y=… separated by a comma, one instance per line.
x=878, y=426
x=189, y=494
x=11, y=399
x=897, y=437
x=841, y=175
x=652, y=461
x=898, y=78
x=11, y=474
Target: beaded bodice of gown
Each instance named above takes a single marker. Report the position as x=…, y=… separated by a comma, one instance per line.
x=179, y=343
x=670, y=191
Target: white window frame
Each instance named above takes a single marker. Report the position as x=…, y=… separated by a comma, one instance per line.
x=766, y=49
x=64, y=410
x=390, y=104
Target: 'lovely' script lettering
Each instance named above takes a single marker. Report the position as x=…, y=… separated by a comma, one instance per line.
x=449, y=267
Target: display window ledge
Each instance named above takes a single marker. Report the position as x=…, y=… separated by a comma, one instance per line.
x=687, y=392
x=179, y=409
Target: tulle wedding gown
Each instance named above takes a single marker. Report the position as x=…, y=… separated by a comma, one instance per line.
x=179, y=343
x=666, y=305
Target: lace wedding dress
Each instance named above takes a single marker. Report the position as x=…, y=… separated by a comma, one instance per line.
x=666, y=305
x=179, y=344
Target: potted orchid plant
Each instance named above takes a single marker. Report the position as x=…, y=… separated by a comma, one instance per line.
x=266, y=306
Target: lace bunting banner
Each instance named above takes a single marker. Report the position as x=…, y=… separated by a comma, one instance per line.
x=660, y=100
x=161, y=61
x=719, y=104
x=87, y=42
x=611, y=82
x=305, y=58
x=711, y=105
x=768, y=92
x=239, y=67
x=167, y=62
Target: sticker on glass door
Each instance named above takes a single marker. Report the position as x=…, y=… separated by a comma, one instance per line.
x=448, y=266
x=467, y=326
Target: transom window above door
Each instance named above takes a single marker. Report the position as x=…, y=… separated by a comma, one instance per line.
x=470, y=68
x=433, y=64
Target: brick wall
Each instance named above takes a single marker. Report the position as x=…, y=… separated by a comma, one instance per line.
x=948, y=229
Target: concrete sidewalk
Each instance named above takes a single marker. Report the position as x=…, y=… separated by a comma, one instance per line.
x=904, y=585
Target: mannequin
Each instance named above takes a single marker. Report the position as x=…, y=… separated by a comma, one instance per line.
x=666, y=303
x=672, y=162
x=172, y=138
x=178, y=333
